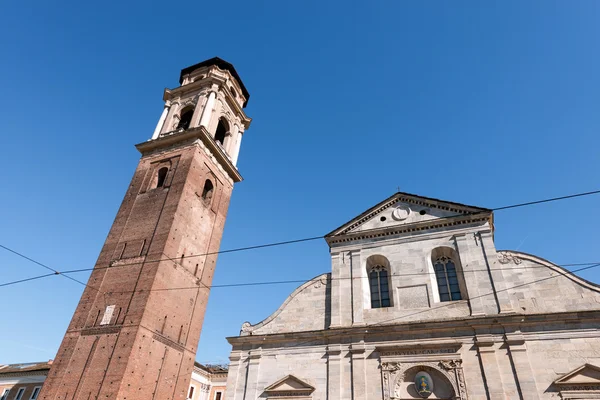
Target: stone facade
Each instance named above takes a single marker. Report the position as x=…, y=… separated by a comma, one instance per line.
x=133, y=336
x=520, y=327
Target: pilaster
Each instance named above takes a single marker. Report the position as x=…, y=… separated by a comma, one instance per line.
x=486, y=347
x=472, y=274
x=499, y=283
x=359, y=371
x=254, y=357
x=358, y=277
x=523, y=370
x=233, y=375
x=336, y=295
x=334, y=372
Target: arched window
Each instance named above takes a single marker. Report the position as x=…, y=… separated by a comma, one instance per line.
x=186, y=119
x=207, y=192
x=222, y=130
x=161, y=177
x=447, y=279
x=379, y=283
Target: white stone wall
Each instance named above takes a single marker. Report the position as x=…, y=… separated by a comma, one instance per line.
x=523, y=322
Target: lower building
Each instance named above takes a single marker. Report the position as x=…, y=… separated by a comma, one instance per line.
x=24, y=381
x=419, y=303
x=208, y=382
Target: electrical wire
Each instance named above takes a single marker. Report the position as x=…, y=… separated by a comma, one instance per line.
x=268, y=245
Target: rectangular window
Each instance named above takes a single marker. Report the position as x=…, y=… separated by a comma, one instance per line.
x=20, y=394
x=5, y=394
x=191, y=392
x=34, y=394
x=218, y=396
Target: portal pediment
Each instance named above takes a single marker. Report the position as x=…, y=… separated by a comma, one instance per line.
x=581, y=383
x=587, y=374
x=289, y=387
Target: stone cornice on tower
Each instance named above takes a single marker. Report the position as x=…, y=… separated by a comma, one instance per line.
x=199, y=135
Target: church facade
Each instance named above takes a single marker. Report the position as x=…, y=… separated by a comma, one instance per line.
x=419, y=303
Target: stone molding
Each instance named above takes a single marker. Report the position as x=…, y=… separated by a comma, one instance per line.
x=199, y=136
x=409, y=228
x=510, y=320
x=516, y=257
x=247, y=328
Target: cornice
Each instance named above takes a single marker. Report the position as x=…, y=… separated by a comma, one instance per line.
x=397, y=230
x=185, y=138
x=516, y=322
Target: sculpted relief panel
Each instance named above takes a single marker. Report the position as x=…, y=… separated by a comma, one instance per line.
x=446, y=373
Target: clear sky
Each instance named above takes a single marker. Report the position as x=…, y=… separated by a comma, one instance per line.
x=485, y=103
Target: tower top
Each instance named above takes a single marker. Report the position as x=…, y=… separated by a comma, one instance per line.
x=221, y=64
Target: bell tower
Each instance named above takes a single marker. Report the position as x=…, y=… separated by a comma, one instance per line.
x=136, y=328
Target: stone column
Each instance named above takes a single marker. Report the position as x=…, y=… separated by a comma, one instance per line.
x=499, y=284
x=200, y=106
x=334, y=372
x=208, y=109
x=357, y=280
x=161, y=122
x=359, y=371
x=487, y=354
x=524, y=373
x=237, y=134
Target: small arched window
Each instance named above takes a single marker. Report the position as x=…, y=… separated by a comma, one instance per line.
x=447, y=279
x=207, y=192
x=222, y=130
x=379, y=283
x=161, y=176
x=186, y=119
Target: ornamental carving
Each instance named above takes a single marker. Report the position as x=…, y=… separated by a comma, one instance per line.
x=394, y=374
x=247, y=329
x=507, y=258
x=320, y=282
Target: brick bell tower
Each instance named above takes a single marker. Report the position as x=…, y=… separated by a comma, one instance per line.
x=135, y=331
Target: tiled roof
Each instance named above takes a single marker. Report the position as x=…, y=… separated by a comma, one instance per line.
x=25, y=367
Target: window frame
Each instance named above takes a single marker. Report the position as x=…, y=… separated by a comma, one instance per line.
x=20, y=393
x=379, y=270
x=443, y=279
x=192, y=388
x=5, y=394
x=39, y=389
x=218, y=392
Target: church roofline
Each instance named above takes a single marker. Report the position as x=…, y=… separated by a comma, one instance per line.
x=461, y=209
x=221, y=64
x=511, y=321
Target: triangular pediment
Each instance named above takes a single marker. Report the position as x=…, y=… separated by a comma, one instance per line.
x=587, y=374
x=290, y=385
x=405, y=209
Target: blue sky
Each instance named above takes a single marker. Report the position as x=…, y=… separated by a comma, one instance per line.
x=485, y=103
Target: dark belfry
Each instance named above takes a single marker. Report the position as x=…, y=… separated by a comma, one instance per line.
x=129, y=338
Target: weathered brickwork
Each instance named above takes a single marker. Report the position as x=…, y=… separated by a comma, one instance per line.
x=524, y=328
x=135, y=331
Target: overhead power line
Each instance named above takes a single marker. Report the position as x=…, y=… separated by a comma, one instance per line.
x=273, y=244
x=448, y=304
x=265, y=283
